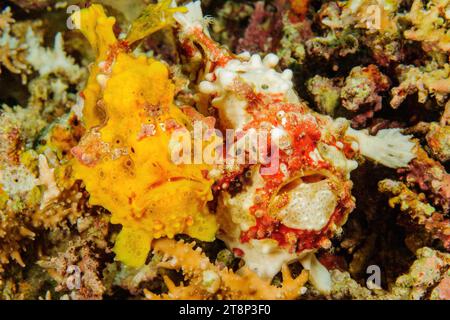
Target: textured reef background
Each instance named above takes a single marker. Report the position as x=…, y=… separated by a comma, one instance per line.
x=379, y=64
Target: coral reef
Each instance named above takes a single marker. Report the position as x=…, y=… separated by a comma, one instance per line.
x=102, y=193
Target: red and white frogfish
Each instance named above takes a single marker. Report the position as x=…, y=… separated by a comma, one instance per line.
x=292, y=204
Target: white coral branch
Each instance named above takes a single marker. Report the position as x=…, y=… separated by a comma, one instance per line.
x=47, y=178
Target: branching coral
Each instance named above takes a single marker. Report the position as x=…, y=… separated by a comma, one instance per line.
x=21, y=52
x=19, y=191
x=430, y=24
x=419, y=210
x=207, y=280
x=430, y=80
x=352, y=25
x=431, y=177
x=427, y=277
x=74, y=263
x=63, y=65
x=13, y=236
x=28, y=207
x=32, y=180
x=29, y=188
x=67, y=266
x=12, y=47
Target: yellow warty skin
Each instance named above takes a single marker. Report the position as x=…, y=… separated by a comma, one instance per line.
x=149, y=195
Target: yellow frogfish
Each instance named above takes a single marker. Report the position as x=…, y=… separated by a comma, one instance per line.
x=124, y=158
